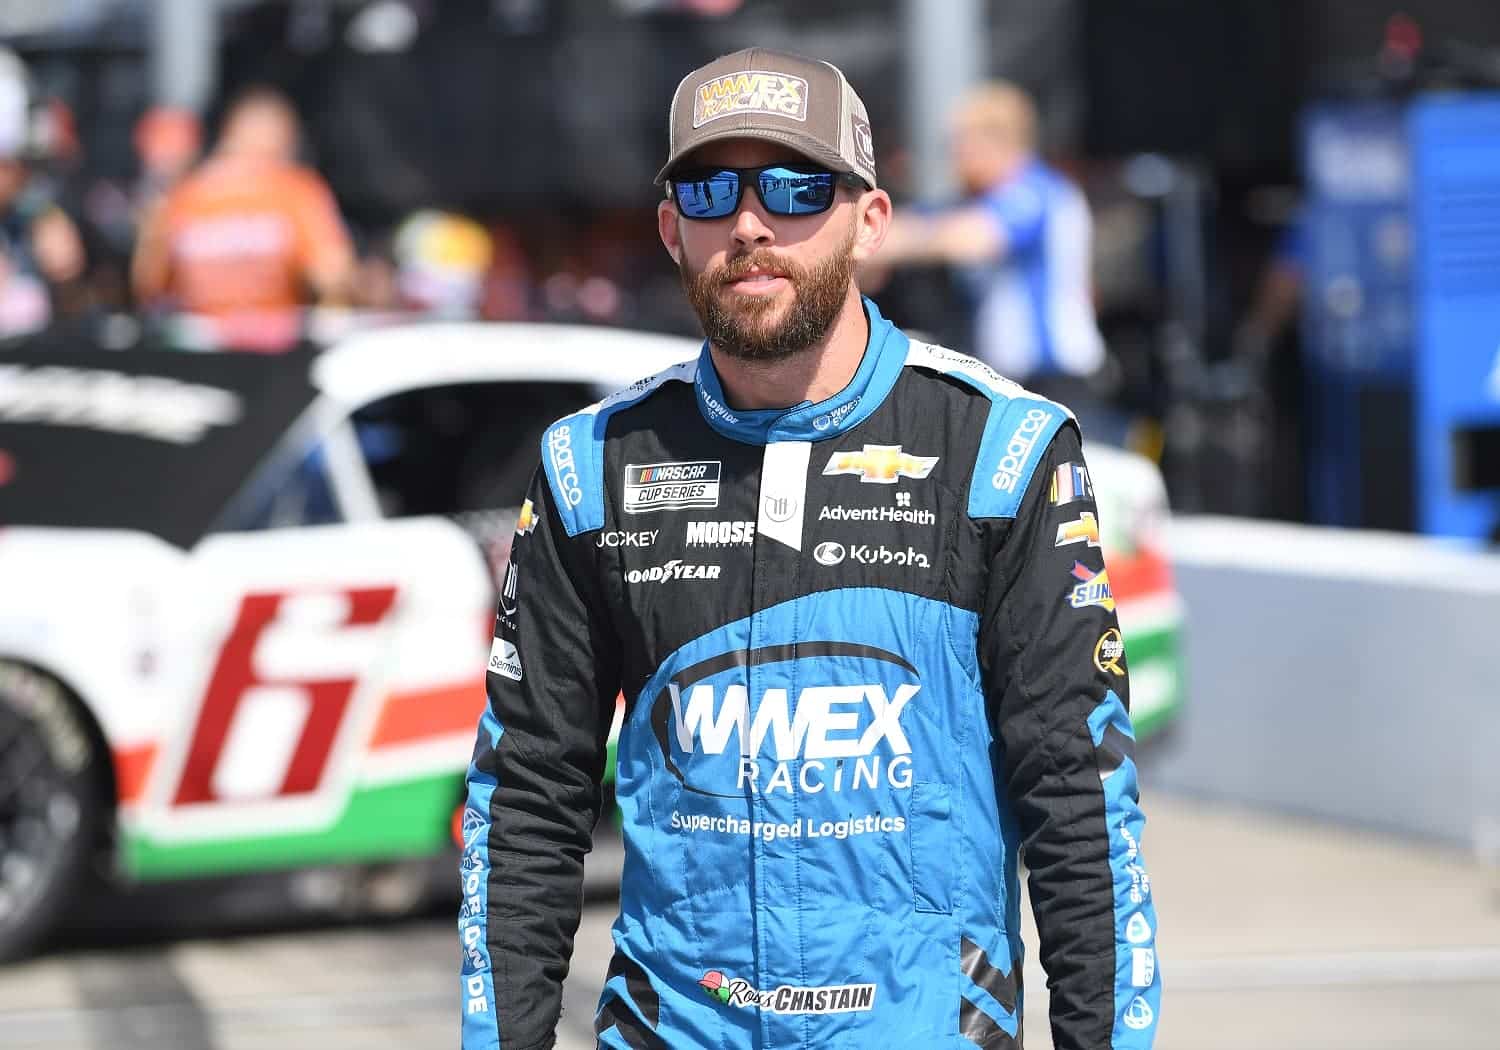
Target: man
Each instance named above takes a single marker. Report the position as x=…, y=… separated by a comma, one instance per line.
x=851, y=589
x=40, y=247
x=249, y=237
x=1022, y=243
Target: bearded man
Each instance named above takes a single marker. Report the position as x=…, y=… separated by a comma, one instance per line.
x=866, y=639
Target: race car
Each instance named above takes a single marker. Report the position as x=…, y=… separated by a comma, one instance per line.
x=246, y=602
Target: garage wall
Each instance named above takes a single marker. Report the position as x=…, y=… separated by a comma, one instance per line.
x=1339, y=674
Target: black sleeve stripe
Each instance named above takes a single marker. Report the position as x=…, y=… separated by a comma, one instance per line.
x=616, y=1014
x=981, y=1029
x=977, y=967
x=638, y=984
x=1112, y=751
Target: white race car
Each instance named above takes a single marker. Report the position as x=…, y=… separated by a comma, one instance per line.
x=246, y=602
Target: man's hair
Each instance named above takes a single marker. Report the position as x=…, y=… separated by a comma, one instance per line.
x=1001, y=110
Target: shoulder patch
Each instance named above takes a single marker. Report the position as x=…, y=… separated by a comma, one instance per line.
x=1020, y=427
x=961, y=366
x=573, y=450
x=1016, y=437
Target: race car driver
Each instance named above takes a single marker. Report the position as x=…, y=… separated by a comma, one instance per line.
x=851, y=587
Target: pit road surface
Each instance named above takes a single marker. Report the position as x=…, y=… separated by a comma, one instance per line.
x=1275, y=935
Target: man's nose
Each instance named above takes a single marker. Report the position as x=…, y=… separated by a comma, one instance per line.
x=750, y=226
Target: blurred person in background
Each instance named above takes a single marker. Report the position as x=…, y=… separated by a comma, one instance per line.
x=40, y=246
x=250, y=237
x=441, y=260
x=1021, y=241
x=167, y=142
x=851, y=587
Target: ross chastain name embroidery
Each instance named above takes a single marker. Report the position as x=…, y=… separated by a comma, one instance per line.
x=788, y=998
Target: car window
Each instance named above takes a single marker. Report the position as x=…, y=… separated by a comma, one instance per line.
x=465, y=451
x=457, y=449
x=298, y=495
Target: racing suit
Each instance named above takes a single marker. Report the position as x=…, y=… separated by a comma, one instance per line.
x=870, y=659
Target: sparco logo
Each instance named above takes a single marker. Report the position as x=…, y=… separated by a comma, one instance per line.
x=1008, y=473
x=560, y=449
x=672, y=570
x=834, y=738
x=866, y=554
x=719, y=533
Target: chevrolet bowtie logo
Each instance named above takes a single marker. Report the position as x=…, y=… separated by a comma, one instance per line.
x=880, y=464
x=526, y=519
x=1083, y=529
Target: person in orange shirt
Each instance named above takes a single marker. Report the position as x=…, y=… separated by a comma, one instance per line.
x=250, y=237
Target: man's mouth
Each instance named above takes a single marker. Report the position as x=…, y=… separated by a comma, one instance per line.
x=757, y=281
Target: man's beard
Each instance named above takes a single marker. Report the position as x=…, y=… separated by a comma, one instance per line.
x=742, y=326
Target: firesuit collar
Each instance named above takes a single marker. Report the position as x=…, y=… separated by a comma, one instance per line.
x=885, y=355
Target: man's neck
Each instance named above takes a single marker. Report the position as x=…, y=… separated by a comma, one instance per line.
x=817, y=373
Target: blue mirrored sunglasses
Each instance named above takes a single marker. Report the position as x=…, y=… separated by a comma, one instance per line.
x=784, y=189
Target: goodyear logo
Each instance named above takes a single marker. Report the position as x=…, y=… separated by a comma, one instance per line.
x=754, y=91
x=880, y=464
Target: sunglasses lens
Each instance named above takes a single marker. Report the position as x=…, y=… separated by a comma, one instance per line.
x=787, y=191
x=710, y=195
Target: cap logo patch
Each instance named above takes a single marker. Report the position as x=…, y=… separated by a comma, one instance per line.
x=754, y=91
x=864, y=142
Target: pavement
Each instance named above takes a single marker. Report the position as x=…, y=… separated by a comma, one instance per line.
x=1275, y=934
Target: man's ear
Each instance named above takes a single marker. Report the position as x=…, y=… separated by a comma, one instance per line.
x=668, y=228
x=872, y=220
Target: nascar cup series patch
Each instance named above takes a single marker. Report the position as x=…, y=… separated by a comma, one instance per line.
x=671, y=486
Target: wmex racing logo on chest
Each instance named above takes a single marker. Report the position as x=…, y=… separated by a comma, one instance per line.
x=671, y=486
x=719, y=741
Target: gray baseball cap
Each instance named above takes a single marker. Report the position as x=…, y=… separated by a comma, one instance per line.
x=777, y=96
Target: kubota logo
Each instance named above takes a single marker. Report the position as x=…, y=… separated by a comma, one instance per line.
x=880, y=464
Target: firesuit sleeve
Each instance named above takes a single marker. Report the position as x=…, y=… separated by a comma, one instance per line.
x=1054, y=665
x=534, y=783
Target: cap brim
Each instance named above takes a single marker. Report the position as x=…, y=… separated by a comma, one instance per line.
x=806, y=145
